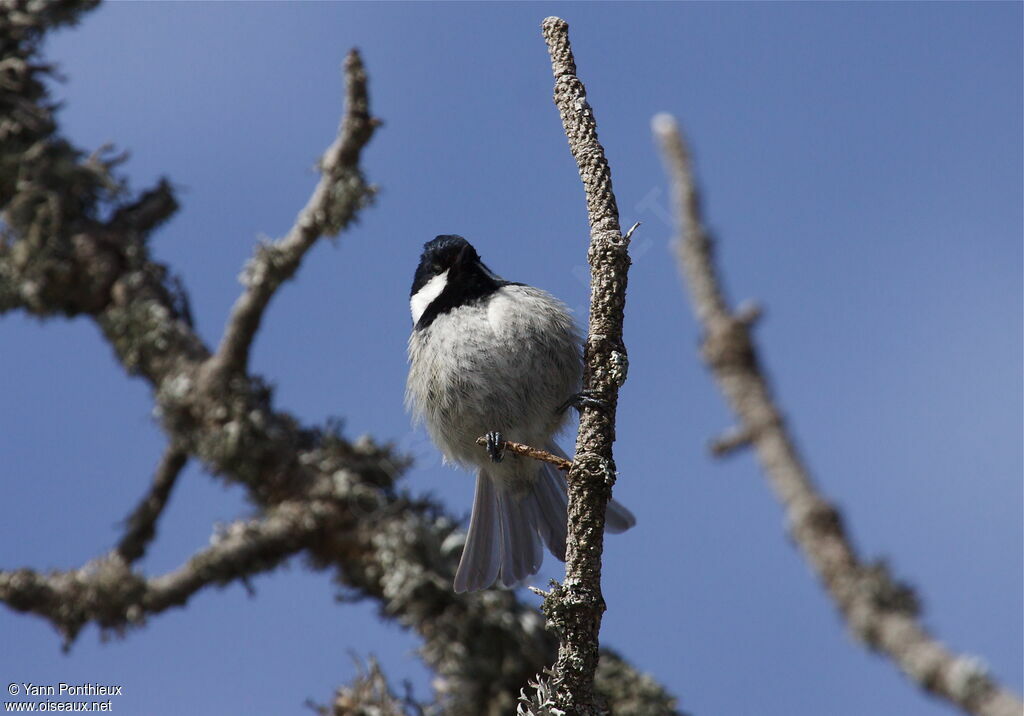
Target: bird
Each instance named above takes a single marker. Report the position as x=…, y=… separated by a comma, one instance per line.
x=495, y=358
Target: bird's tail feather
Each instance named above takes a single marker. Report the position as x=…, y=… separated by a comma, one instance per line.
x=521, y=552
x=506, y=529
x=553, y=508
x=482, y=553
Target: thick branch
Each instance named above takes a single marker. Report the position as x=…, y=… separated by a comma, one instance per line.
x=142, y=522
x=341, y=192
x=880, y=611
x=575, y=608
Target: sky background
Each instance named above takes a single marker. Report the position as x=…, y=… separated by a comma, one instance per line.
x=861, y=166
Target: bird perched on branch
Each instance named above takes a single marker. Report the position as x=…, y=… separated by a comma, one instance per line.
x=501, y=359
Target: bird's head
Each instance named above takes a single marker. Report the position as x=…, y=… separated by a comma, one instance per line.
x=450, y=275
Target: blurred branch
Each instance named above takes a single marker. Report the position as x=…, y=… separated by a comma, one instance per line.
x=106, y=591
x=575, y=607
x=880, y=611
x=341, y=192
x=142, y=522
x=370, y=694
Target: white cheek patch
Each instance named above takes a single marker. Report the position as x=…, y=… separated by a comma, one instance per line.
x=426, y=295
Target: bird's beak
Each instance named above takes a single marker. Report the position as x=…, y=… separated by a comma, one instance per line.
x=463, y=259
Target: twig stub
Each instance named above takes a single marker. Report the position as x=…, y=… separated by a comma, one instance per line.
x=526, y=451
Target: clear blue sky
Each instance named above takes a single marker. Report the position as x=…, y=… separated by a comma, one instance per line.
x=862, y=167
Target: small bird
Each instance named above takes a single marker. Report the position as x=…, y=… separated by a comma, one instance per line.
x=492, y=357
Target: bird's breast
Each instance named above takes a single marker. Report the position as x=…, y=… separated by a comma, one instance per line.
x=503, y=364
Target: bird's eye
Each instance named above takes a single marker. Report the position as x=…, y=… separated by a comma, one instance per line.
x=435, y=267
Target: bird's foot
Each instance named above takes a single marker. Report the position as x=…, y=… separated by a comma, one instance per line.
x=495, y=445
x=584, y=399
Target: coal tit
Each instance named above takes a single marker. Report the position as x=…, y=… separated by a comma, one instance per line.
x=487, y=355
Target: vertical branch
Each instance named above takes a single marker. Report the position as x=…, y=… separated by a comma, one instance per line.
x=880, y=611
x=576, y=607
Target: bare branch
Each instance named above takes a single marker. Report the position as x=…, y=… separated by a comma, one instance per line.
x=881, y=612
x=149, y=210
x=575, y=608
x=142, y=522
x=560, y=462
x=732, y=440
x=106, y=591
x=341, y=192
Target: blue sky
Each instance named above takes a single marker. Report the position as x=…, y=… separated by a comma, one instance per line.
x=861, y=165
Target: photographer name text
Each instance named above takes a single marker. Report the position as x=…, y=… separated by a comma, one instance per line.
x=62, y=689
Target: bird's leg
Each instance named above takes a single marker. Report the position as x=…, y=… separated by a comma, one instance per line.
x=582, y=399
x=495, y=445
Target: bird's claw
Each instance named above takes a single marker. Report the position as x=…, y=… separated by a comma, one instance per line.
x=495, y=445
x=584, y=399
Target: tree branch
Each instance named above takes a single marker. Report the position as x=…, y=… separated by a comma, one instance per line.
x=59, y=255
x=106, y=591
x=142, y=522
x=880, y=611
x=575, y=608
x=341, y=192
x=370, y=694
x=525, y=450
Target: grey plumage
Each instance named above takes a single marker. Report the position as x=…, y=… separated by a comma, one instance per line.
x=504, y=359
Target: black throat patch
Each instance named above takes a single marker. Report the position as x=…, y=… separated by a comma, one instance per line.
x=468, y=280
x=465, y=286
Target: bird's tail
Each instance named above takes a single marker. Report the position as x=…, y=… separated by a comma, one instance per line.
x=506, y=529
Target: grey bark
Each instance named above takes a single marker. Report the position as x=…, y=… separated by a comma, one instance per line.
x=575, y=607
